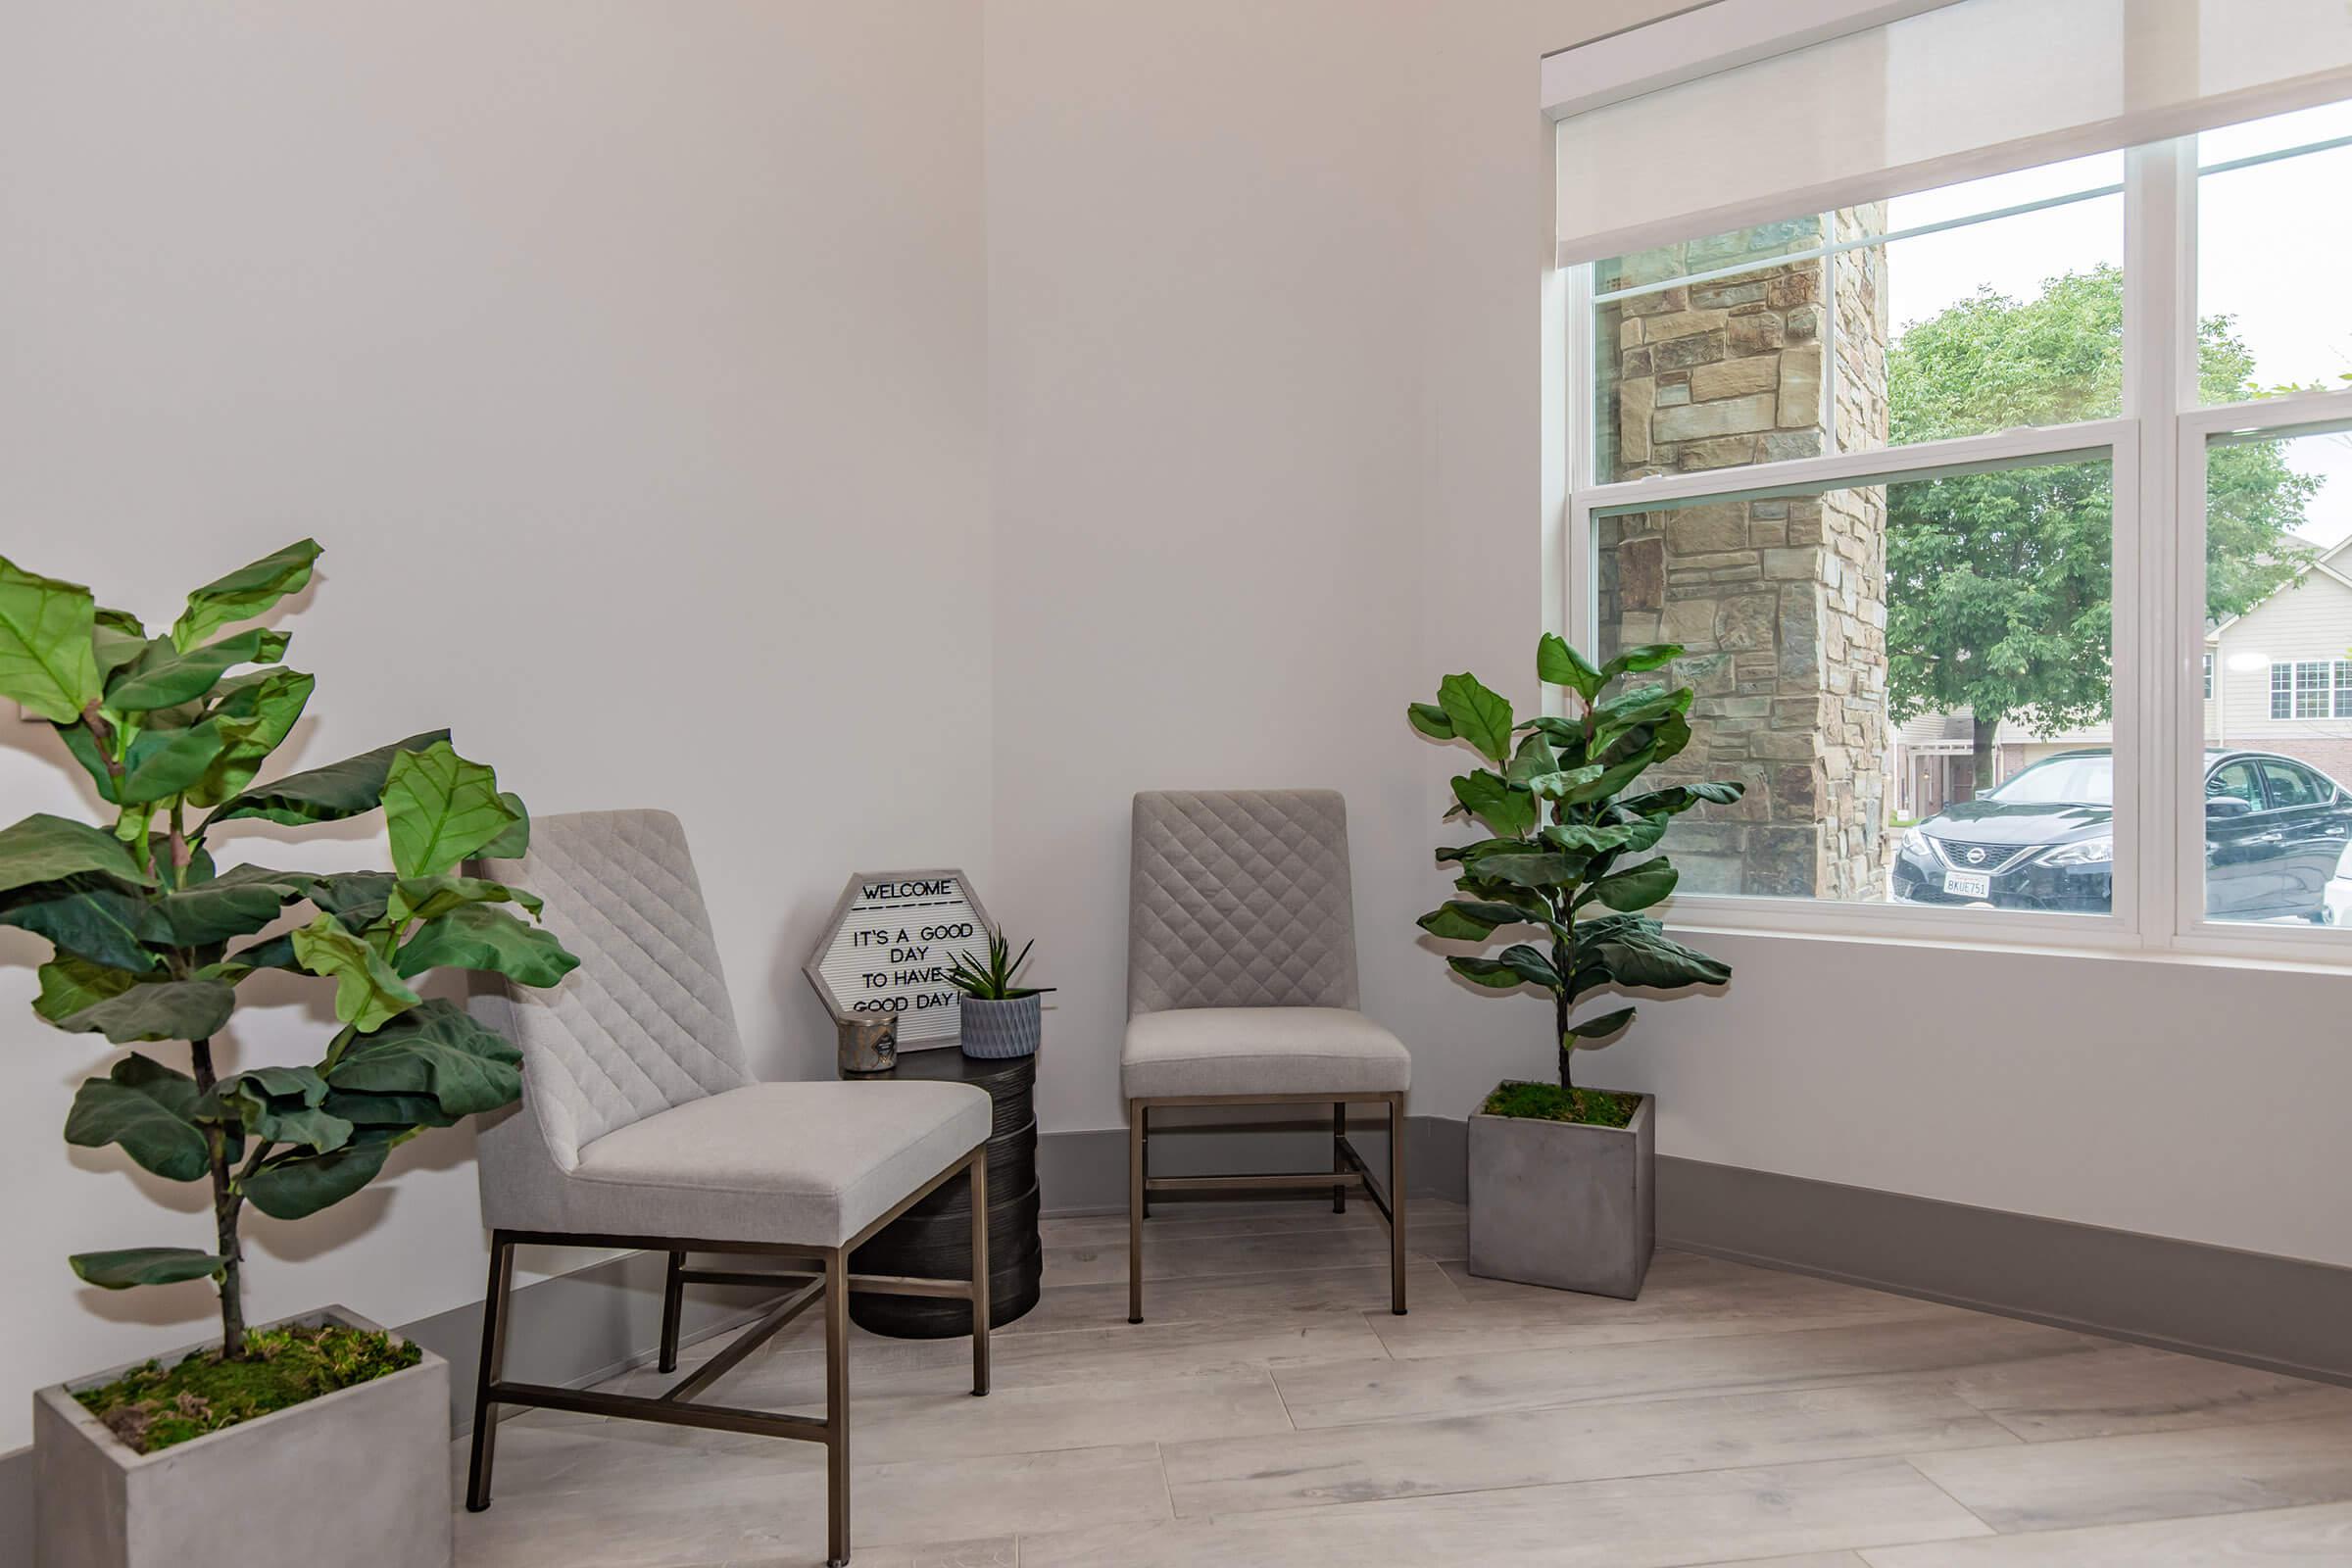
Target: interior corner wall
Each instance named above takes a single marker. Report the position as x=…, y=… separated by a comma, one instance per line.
x=628, y=361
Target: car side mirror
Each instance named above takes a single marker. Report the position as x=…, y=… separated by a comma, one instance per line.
x=2224, y=806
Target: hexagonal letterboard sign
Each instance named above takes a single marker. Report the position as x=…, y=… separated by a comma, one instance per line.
x=888, y=945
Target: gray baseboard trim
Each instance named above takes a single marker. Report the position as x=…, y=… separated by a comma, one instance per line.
x=2282, y=1315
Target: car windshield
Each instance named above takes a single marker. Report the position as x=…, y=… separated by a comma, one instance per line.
x=2060, y=781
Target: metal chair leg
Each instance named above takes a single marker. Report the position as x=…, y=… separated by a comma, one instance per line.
x=673, y=1299
x=980, y=1281
x=487, y=1371
x=1339, y=1153
x=1140, y=1118
x=1135, y=1210
x=1396, y=1204
x=837, y=1408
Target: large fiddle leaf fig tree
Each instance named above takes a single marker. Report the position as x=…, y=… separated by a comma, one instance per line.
x=1570, y=823
x=152, y=937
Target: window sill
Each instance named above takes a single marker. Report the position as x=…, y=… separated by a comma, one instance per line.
x=2277, y=948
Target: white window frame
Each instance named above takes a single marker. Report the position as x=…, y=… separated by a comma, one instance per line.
x=2157, y=445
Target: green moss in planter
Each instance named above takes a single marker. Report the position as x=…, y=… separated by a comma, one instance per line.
x=151, y=1407
x=1599, y=1107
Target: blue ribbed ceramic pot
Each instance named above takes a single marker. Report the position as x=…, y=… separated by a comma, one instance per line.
x=999, y=1029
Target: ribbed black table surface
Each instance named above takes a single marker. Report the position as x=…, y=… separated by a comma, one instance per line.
x=934, y=1237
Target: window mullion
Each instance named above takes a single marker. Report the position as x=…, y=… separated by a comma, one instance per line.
x=2160, y=705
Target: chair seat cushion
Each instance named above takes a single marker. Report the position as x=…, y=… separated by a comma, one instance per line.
x=1259, y=1051
x=800, y=1163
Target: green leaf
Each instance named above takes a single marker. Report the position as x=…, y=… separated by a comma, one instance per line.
x=162, y=762
x=367, y=994
x=441, y=809
x=326, y=794
x=358, y=899
x=296, y=1188
x=428, y=897
x=1563, y=785
x=150, y=1110
x=1608, y=1023
x=183, y=677
x=281, y=1105
x=1637, y=951
x=1637, y=887
x=113, y=646
x=69, y=984
x=476, y=936
x=435, y=1049
x=124, y=1268
x=155, y=1010
x=51, y=849
x=93, y=916
x=1534, y=759
x=1429, y=720
x=1508, y=812
x=1469, y=852
x=1547, y=869
x=216, y=910
x=1682, y=798
x=256, y=713
x=1455, y=922
x=1646, y=657
x=48, y=663
x=1521, y=963
x=1577, y=838
x=1559, y=663
x=1480, y=717
x=394, y=1111
x=245, y=593
x=1487, y=972
x=516, y=839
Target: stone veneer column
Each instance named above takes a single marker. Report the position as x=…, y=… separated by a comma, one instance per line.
x=1780, y=603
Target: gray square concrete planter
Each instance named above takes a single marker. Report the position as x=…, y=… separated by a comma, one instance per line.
x=359, y=1476
x=1564, y=1205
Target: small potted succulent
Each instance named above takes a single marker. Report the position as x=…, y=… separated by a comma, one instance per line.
x=342, y=1427
x=1562, y=1178
x=1000, y=1017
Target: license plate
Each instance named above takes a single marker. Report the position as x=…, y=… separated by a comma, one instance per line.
x=1968, y=884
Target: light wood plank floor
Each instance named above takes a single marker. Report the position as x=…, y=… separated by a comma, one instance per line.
x=1273, y=1414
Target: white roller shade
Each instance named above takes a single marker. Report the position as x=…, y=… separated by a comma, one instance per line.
x=1977, y=87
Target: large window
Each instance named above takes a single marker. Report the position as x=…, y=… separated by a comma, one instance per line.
x=2007, y=529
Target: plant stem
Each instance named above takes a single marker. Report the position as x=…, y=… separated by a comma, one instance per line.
x=225, y=1205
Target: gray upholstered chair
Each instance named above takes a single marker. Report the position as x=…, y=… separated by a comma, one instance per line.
x=640, y=1127
x=1241, y=991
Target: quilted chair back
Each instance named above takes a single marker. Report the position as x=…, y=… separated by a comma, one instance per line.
x=642, y=1025
x=1239, y=899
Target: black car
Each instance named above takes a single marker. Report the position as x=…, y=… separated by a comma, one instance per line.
x=2045, y=839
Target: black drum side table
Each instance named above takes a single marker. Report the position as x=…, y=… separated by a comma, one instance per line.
x=934, y=1237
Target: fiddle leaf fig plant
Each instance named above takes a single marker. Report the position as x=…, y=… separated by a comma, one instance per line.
x=152, y=937
x=1570, y=826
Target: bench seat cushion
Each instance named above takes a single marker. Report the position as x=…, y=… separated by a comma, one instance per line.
x=798, y=1163
x=1259, y=1051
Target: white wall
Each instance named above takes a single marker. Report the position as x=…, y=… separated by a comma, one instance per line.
x=1265, y=301
x=628, y=362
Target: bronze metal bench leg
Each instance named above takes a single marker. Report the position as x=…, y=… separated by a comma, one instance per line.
x=980, y=1283
x=1339, y=1153
x=1396, y=1204
x=486, y=1372
x=837, y=1408
x=1135, y=1209
x=673, y=1299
